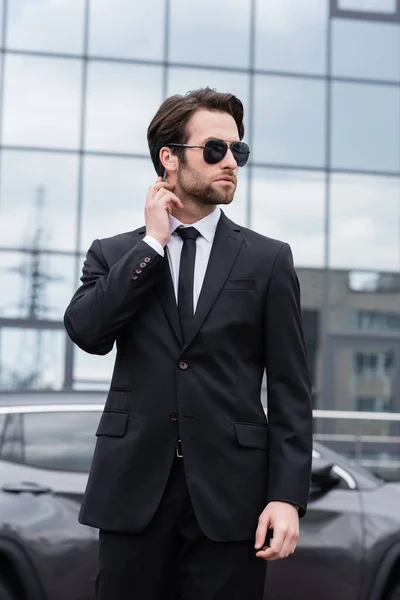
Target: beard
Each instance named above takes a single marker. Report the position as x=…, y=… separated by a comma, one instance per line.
x=193, y=186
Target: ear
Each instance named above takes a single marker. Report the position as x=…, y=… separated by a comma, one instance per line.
x=168, y=160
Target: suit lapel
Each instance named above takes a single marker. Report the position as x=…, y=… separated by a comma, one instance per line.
x=227, y=243
x=165, y=293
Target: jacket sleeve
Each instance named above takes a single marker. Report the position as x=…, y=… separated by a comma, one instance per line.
x=288, y=388
x=109, y=297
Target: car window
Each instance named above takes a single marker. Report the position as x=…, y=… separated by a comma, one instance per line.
x=59, y=440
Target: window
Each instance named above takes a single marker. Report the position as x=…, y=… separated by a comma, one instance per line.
x=374, y=10
x=375, y=321
x=48, y=26
x=365, y=126
x=42, y=101
x=289, y=121
x=62, y=441
x=127, y=29
x=210, y=33
x=121, y=101
x=378, y=364
x=291, y=35
x=289, y=205
x=365, y=216
x=365, y=49
x=38, y=199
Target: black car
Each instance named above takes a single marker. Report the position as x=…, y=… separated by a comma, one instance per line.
x=349, y=547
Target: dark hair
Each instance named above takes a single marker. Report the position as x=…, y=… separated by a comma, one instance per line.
x=170, y=122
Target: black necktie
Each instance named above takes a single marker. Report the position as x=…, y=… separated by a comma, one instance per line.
x=186, y=277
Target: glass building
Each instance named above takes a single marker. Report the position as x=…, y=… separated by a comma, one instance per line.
x=320, y=81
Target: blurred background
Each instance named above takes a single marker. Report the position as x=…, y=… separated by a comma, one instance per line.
x=320, y=81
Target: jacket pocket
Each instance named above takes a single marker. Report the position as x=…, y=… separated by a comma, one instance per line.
x=239, y=284
x=117, y=398
x=113, y=423
x=252, y=435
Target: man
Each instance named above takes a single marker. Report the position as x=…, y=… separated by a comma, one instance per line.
x=188, y=477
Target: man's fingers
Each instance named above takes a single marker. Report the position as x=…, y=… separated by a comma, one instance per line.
x=283, y=544
x=261, y=533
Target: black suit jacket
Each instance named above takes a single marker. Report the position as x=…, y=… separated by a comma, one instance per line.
x=247, y=319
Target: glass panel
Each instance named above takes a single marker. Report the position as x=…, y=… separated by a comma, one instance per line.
x=42, y=101
x=62, y=441
x=35, y=285
x=374, y=321
x=114, y=196
x=123, y=28
x=53, y=26
x=291, y=36
x=11, y=447
x=365, y=216
x=210, y=33
x=365, y=126
x=38, y=200
x=289, y=205
x=289, y=121
x=93, y=372
x=363, y=381
x=366, y=49
x=122, y=99
x=181, y=81
x=380, y=6
x=31, y=358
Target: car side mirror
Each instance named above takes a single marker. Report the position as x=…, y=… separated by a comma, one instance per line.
x=323, y=478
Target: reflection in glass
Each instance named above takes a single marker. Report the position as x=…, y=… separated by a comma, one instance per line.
x=38, y=200
x=365, y=126
x=289, y=205
x=127, y=29
x=115, y=192
x=182, y=80
x=366, y=49
x=42, y=101
x=62, y=441
x=122, y=99
x=51, y=26
x=35, y=285
x=289, y=121
x=31, y=358
x=210, y=33
x=291, y=36
x=365, y=216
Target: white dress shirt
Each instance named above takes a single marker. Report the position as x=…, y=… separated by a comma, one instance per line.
x=207, y=228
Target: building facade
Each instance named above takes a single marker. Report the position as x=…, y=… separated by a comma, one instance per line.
x=320, y=82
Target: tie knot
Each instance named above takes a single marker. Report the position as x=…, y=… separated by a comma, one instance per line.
x=188, y=233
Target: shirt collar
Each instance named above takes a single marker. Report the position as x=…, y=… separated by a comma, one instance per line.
x=206, y=226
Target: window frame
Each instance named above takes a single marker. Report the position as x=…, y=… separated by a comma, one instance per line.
x=363, y=15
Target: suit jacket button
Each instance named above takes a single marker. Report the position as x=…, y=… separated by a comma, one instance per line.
x=143, y=265
x=133, y=276
x=173, y=416
x=183, y=365
x=138, y=270
x=147, y=259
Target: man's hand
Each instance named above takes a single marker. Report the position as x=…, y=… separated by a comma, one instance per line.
x=159, y=201
x=283, y=518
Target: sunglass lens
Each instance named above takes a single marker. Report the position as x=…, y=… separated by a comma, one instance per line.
x=241, y=152
x=214, y=151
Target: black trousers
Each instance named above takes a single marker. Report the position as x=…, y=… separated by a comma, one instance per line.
x=173, y=560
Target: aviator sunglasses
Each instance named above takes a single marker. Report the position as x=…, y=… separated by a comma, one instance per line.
x=215, y=150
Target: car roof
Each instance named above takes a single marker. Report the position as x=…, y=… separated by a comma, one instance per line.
x=51, y=397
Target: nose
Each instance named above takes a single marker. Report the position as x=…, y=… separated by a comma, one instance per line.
x=229, y=162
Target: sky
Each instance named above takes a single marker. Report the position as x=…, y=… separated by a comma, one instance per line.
x=42, y=108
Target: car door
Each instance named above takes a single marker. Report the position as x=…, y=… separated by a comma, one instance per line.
x=44, y=462
x=328, y=560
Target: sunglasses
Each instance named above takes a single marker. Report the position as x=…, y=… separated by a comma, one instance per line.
x=215, y=150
